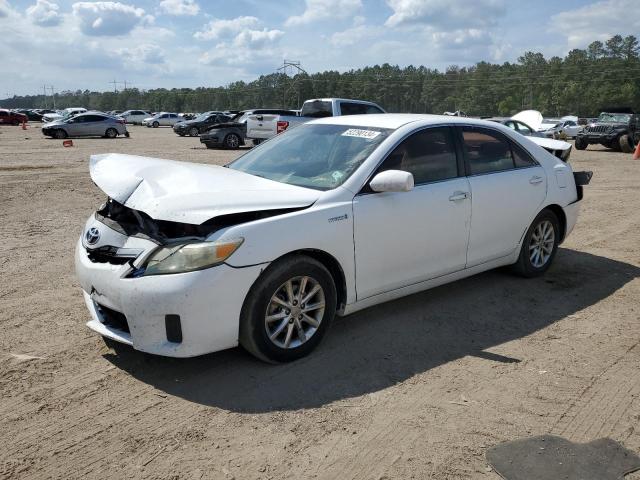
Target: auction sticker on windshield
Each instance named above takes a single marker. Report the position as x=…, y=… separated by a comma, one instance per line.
x=355, y=132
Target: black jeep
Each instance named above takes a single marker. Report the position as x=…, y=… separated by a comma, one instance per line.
x=617, y=129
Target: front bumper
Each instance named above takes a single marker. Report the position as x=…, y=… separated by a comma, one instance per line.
x=207, y=301
x=598, y=137
x=211, y=139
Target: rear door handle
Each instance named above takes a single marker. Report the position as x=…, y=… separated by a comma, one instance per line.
x=457, y=196
x=535, y=180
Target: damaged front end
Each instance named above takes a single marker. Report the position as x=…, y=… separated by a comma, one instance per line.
x=134, y=223
x=129, y=223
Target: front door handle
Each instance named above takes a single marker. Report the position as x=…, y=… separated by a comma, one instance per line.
x=535, y=180
x=457, y=196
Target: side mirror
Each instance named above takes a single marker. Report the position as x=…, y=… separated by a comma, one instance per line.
x=392, y=181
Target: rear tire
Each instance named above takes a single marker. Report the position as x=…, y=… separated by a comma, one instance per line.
x=60, y=134
x=232, y=141
x=111, y=133
x=581, y=144
x=539, y=246
x=278, y=331
x=625, y=144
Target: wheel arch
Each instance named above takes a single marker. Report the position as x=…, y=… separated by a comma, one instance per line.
x=331, y=264
x=562, y=218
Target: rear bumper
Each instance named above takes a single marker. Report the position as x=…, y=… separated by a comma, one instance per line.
x=571, y=213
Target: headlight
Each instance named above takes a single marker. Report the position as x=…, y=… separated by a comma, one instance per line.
x=187, y=257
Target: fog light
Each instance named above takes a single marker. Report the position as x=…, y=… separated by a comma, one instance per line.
x=173, y=327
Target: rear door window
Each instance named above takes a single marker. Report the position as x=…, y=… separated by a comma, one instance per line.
x=486, y=151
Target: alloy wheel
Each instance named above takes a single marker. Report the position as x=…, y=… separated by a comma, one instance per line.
x=294, y=312
x=541, y=244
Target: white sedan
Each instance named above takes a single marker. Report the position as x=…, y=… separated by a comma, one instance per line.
x=162, y=119
x=329, y=218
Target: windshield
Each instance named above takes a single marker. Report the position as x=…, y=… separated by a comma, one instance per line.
x=614, y=117
x=202, y=117
x=314, y=156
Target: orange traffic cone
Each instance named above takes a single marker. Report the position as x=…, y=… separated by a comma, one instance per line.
x=636, y=154
x=24, y=124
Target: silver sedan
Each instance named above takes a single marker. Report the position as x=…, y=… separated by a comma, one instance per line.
x=90, y=124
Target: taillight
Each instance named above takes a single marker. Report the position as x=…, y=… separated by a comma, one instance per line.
x=281, y=126
x=120, y=120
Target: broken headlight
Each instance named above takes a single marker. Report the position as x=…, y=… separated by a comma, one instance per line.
x=187, y=257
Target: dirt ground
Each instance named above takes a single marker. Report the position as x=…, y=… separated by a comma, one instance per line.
x=417, y=388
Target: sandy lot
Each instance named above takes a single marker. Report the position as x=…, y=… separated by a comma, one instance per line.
x=417, y=388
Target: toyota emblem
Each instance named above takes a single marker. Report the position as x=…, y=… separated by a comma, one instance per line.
x=92, y=236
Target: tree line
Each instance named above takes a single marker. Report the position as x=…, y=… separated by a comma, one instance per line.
x=605, y=74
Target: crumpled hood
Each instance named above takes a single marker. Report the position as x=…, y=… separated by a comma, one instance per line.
x=190, y=192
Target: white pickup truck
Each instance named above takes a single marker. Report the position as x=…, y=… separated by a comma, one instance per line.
x=264, y=126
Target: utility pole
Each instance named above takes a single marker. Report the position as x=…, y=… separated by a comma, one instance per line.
x=115, y=85
x=53, y=97
x=44, y=89
x=293, y=65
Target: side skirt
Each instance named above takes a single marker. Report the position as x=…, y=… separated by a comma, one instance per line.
x=426, y=285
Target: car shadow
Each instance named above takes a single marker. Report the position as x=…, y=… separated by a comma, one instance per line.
x=389, y=343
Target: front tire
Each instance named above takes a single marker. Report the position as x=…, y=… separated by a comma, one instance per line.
x=155, y=125
x=581, y=144
x=193, y=132
x=539, y=246
x=60, y=134
x=232, y=141
x=288, y=310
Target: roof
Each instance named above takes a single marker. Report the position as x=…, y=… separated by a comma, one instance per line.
x=397, y=120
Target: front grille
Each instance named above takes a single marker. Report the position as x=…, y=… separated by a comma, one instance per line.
x=112, y=318
x=112, y=255
x=598, y=129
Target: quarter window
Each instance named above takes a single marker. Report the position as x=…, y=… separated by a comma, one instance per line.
x=521, y=158
x=429, y=155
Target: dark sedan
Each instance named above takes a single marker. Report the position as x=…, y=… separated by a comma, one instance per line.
x=200, y=124
x=232, y=134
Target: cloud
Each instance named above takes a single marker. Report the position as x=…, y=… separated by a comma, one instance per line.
x=146, y=54
x=444, y=14
x=249, y=48
x=318, y=10
x=220, y=29
x=598, y=21
x=179, y=7
x=108, y=18
x=355, y=35
x=44, y=13
x=5, y=9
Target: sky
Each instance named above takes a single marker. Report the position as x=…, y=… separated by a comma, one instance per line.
x=74, y=45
